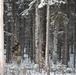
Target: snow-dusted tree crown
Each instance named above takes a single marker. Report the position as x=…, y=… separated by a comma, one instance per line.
x=42, y=4
x=51, y=2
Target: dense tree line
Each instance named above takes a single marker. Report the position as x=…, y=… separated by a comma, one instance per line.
x=47, y=31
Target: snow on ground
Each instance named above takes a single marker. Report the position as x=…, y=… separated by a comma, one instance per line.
x=28, y=68
x=71, y=62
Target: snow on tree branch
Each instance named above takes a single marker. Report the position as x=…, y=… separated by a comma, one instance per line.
x=8, y=33
x=26, y=11
x=57, y=1
x=32, y=2
x=51, y=2
x=43, y=3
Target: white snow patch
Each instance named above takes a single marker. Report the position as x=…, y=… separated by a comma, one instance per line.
x=42, y=4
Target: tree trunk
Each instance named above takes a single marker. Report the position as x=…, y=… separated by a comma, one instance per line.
x=66, y=45
x=47, y=65
x=34, y=38
x=40, y=48
x=8, y=50
x=65, y=50
x=74, y=43
x=31, y=38
x=1, y=39
x=55, y=57
x=59, y=51
x=8, y=42
x=74, y=37
x=36, y=32
x=14, y=11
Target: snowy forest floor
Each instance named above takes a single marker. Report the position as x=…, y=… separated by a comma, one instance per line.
x=28, y=68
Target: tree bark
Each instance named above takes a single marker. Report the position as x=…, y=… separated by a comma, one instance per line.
x=65, y=46
x=74, y=38
x=8, y=50
x=40, y=49
x=47, y=66
x=55, y=57
x=34, y=38
x=1, y=39
x=36, y=31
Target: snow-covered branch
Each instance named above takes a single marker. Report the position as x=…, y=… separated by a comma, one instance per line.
x=26, y=11
x=51, y=2
x=42, y=3
x=8, y=33
x=32, y=2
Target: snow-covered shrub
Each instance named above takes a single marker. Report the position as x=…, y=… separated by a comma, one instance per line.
x=69, y=70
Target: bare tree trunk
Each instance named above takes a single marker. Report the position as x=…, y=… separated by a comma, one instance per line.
x=74, y=43
x=31, y=38
x=8, y=48
x=66, y=45
x=34, y=37
x=40, y=49
x=55, y=57
x=36, y=31
x=74, y=38
x=47, y=65
x=8, y=51
x=15, y=19
x=65, y=50
x=1, y=39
